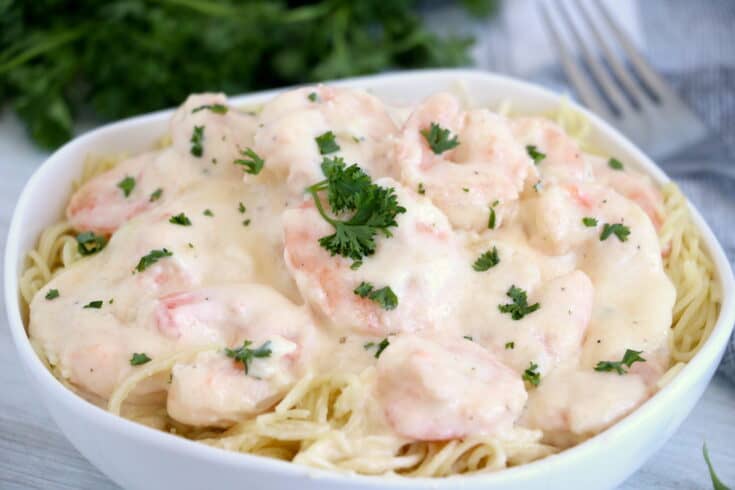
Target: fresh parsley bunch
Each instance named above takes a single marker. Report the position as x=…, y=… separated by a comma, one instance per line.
x=62, y=58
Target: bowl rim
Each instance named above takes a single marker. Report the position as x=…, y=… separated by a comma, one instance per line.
x=693, y=371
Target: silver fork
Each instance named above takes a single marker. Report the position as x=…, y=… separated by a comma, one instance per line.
x=634, y=99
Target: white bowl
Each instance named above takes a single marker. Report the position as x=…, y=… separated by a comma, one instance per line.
x=138, y=457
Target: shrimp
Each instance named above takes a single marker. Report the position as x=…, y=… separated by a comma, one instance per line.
x=213, y=389
x=487, y=169
x=212, y=138
x=562, y=156
x=290, y=124
x=446, y=388
x=328, y=283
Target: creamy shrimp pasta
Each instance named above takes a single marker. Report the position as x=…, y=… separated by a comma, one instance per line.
x=426, y=290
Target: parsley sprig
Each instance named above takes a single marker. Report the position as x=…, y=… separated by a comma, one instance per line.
x=246, y=355
x=384, y=296
x=252, y=162
x=374, y=209
x=519, y=307
x=487, y=260
x=629, y=358
x=439, y=139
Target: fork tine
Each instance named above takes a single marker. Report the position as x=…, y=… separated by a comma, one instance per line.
x=646, y=72
x=606, y=83
x=585, y=91
x=638, y=95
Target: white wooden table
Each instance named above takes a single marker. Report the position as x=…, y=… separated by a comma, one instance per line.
x=34, y=453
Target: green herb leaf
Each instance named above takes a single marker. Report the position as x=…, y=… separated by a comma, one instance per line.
x=468, y=337
x=618, y=229
x=629, y=358
x=313, y=97
x=487, y=260
x=88, y=243
x=52, y=294
x=252, y=162
x=246, y=355
x=208, y=212
x=356, y=265
x=532, y=375
x=150, y=259
x=439, y=139
x=510, y=345
x=381, y=347
x=716, y=483
x=127, y=185
x=615, y=164
x=327, y=143
x=246, y=222
x=197, y=141
x=180, y=219
x=535, y=155
x=421, y=189
x=97, y=304
x=520, y=307
x=139, y=358
x=589, y=221
x=156, y=195
x=385, y=296
x=491, y=219
x=241, y=207
x=216, y=108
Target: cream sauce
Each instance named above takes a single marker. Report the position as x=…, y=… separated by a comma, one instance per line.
x=250, y=268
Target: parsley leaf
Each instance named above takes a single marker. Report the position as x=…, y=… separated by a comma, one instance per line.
x=139, y=358
x=208, y=212
x=313, y=97
x=519, y=307
x=52, y=294
x=629, y=358
x=380, y=345
x=716, y=483
x=88, y=243
x=127, y=185
x=491, y=219
x=385, y=296
x=615, y=164
x=422, y=189
x=156, y=195
x=246, y=222
x=216, y=108
x=468, y=337
x=246, y=355
x=327, y=143
x=253, y=163
x=510, y=345
x=150, y=259
x=350, y=189
x=535, y=155
x=487, y=260
x=97, y=304
x=618, y=229
x=589, y=221
x=197, y=141
x=439, y=139
x=532, y=375
x=180, y=219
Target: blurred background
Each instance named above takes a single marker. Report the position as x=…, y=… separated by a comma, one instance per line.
x=69, y=65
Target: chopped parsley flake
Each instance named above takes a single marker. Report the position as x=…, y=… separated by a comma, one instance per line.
x=139, y=358
x=197, y=141
x=252, y=162
x=150, y=259
x=180, y=219
x=127, y=185
x=491, y=219
x=510, y=345
x=327, y=143
x=350, y=189
x=94, y=304
x=380, y=345
x=156, y=195
x=535, y=155
x=421, y=189
x=618, y=229
x=468, y=337
x=465, y=189
x=356, y=265
x=629, y=358
x=216, y=108
x=313, y=97
x=246, y=222
x=385, y=296
x=532, y=375
x=52, y=294
x=519, y=307
x=615, y=164
x=88, y=243
x=208, y=212
x=241, y=207
x=246, y=355
x=589, y=221
x=439, y=139
x=487, y=260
